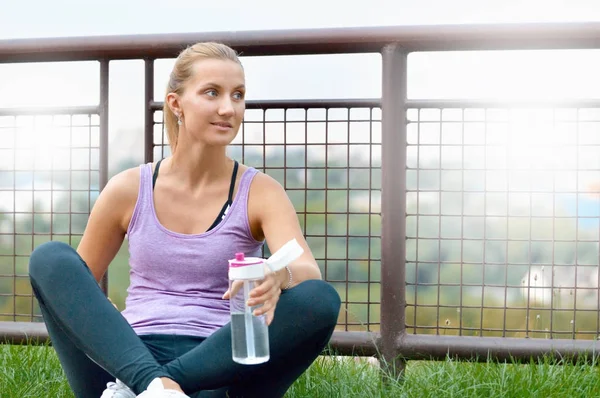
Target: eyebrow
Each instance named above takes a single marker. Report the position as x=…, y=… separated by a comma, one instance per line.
x=209, y=84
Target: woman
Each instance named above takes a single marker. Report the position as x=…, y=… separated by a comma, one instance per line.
x=184, y=217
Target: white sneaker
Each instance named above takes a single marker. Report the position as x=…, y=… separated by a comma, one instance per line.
x=157, y=390
x=117, y=390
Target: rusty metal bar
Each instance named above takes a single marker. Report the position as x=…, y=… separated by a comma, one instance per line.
x=393, y=205
x=103, y=160
x=299, y=104
x=311, y=41
x=414, y=103
x=23, y=333
x=149, y=107
x=355, y=343
x=439, y=347
x=413, y=347
x=344, y=343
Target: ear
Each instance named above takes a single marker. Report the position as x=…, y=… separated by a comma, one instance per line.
x=173, y=102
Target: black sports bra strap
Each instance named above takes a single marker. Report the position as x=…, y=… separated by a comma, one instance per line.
x=155, y=175
x=229, y=198
x=232, y=184
x=229, y=202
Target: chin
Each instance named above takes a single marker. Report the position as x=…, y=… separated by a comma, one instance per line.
x=221, y=141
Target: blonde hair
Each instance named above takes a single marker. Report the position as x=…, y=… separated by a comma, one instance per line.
x=183, y=71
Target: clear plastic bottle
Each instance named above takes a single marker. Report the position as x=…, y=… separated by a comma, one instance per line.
x=249, y=333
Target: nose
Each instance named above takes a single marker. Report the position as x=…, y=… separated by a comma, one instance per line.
x=226, y=107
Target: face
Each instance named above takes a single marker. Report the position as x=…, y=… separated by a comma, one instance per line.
x=212, y=103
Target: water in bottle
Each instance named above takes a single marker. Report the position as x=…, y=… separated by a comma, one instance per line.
x=249, y=333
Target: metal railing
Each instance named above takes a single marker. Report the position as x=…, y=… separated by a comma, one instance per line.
x=424, y=257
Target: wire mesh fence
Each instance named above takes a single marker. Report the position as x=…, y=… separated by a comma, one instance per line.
x=329, y=161
x=49, y=180
x=503, y=221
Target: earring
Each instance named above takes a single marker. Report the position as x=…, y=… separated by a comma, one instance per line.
x=179, y=122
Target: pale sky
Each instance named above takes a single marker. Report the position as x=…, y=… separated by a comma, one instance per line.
x=41, y=18
x=506, y=74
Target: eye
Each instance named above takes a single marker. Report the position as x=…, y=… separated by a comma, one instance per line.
x=211, y=93
x=238, y=95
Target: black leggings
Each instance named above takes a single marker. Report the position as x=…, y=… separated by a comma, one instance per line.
x=96, y=344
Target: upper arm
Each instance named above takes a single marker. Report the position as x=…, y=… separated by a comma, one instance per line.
x=108, y=222
x=274, y=218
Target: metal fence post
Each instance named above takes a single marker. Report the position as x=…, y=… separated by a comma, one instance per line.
x=148, y=112
x=393, y=207
x=103, y=160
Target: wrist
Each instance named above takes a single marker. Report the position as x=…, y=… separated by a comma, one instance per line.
x=286, y=278
x=281, y=278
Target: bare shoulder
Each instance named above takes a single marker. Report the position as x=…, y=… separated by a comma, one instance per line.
x=108, y=221
x=267, y=200
x=120, y=195
x=124, y=185
x=266, y=188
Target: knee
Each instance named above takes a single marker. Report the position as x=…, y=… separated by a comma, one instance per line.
x=49, y=259
x=321, y=300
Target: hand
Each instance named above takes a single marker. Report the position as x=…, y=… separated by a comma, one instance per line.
x=265, y=294
x=235, y=287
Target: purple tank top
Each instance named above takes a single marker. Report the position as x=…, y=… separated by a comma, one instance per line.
x=177, y=280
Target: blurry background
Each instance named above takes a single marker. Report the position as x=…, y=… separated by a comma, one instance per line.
x=503, y=203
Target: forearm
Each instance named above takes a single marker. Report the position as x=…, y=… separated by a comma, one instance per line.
x=299, y=272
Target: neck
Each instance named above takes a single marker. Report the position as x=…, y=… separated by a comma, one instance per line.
x=197, y=165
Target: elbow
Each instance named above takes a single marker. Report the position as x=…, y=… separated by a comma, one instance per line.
x=317, y=272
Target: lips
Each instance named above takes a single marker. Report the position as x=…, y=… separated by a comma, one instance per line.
x=222, y=124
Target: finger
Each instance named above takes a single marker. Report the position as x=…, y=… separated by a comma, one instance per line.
x=267, y=285
x=226, y=295
x=269, y=305
x=235, y=287
x=265, y=309
x=270, y=295
x=270, y=316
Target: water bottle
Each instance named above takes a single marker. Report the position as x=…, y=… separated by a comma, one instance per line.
x=249, y=333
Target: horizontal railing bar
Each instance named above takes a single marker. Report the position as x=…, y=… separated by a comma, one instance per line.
x=501, y=103
x=51, y=110
x=23, y=333
x=343, y=343
x=454, y=103
x=301, y=104
x=439, y=347
x=354, y=343
x=411, y=346
x=311, y=41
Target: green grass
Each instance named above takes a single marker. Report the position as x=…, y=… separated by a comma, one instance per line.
x=29, y=371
